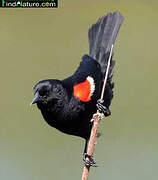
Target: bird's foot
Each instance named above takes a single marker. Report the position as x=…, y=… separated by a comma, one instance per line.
x=103, y=109
x=88, y=160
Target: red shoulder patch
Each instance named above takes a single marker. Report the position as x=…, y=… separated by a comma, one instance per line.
x=84, y=90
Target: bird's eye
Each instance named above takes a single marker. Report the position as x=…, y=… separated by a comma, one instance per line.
x=43, y=92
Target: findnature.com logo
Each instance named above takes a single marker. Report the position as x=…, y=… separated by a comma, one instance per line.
x=29, y=3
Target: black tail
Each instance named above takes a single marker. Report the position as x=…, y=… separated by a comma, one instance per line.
x=101, y=37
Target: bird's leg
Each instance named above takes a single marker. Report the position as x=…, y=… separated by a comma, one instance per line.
x=89, y=162
x=103, y=109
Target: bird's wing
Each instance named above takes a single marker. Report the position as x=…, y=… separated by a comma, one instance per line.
x=87, y=79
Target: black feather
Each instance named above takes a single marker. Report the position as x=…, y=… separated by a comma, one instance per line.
x=102, y=36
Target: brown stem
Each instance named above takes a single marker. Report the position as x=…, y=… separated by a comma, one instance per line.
x=92, y=142
x=96, y=117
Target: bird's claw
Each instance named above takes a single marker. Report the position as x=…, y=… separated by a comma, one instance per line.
x=103, y=109
x=89, y=162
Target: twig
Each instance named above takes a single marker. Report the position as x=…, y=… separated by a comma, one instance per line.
x=96, y=117
x=107, y=71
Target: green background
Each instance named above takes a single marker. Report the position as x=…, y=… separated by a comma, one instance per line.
x=36, y=44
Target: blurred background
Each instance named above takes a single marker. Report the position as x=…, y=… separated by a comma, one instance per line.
x=37, y=44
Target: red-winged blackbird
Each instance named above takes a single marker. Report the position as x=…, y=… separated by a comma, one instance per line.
x=68, y=105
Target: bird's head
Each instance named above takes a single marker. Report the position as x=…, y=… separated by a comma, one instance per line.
x=47, y=91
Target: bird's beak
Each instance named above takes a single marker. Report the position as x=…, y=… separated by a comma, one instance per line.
x=35, y=99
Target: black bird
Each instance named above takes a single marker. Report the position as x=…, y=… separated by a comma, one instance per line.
x=68, y=105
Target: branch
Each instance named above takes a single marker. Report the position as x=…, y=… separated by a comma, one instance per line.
x=96, y=117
